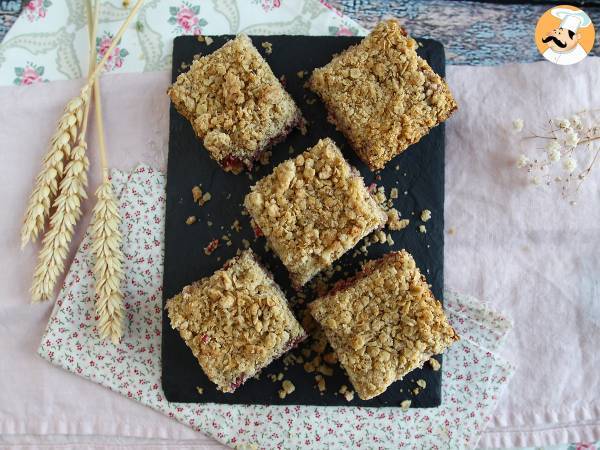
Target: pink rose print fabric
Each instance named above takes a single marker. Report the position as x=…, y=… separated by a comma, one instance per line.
x=36, y=9
x=473, y=375
x=116, y=58
x=186, y=19
x=30, y=74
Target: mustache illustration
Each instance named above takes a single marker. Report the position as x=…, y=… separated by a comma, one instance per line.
x=555, y=40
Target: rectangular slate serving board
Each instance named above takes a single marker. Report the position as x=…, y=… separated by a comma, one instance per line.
x=420, y=182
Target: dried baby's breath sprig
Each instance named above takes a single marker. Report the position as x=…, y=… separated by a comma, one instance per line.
x=108, y=266
x=47, y=181
x=67, y=210
x=570, y=149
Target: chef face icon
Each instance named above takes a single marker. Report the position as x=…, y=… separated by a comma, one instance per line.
x=561, y=40
x=564, y=35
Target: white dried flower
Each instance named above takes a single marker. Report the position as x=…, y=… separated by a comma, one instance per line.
x=569, y=164
x=518, y=125
x=536, y=180
x=572, y=138
x=553, y=151
x=563, y=124
x=522, y=161
x=576, y=121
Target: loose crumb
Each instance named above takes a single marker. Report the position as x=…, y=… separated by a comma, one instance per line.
x=279, y=376
x=320, y=383
x=405, y=405
x=268, y=47
x=311, y=101
x=205, y=198
x=349, y=396
x=196, y=193
x=265, y=158
x=209, y=223
x=211, y=247
x=422, y=229
x=397, y=167
x=236, y=225
x=288, y=386
x=330, y=358
x=435, y=364
x=422, y=383
x=246, y=243
x=208, y=40
x=393, y=221
x=425, y=215
x=190, y=220
x=301, y=74
x=394, y=193
x=200, y=390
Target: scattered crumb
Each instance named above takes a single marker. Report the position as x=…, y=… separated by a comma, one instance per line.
x=279, y=376
x=422, y=383
x=200, y=390
x=300, y=73
x=416, y=391
x=265, y=158
x=422, y=229
x=394, y=223
x=330, y=358
x=389, y=240
x=303, y=128
x=236, y=225
x=211, y=247
x=435, y=364
x=290, y=150
x=397, y=167
x=405, y=405
x=451, y=231
x=394, y=193
x=196, y=193
x=425, y=215
x=190, y=220
x=288, y=386
x=268, y=47
x=380, y=195
x=246, y=243
x=311, y=101
x=208, y=40
x=205, y=198
x=197, y=56
x=200, y=38
x=349, y=396
x=209, y=223
x=320, y=383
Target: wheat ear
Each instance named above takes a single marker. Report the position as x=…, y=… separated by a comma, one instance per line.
x=47, y=182
x=106, y=240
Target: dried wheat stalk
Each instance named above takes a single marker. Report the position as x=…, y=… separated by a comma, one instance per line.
x=47, y=181
x=108, y=269
x=67, y=210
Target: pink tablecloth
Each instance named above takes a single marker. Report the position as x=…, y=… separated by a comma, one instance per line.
x=524, y=250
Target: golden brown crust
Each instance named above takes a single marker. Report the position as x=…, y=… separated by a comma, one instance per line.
x=384, y=323
x=381, y=95
x=234, y=102
x=313, y=209
x=235, y=321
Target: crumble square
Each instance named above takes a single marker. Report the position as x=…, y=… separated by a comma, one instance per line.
x=235, y=322
x=383, y=323
x=235, y=104
x=382, y=95
x=312, y=209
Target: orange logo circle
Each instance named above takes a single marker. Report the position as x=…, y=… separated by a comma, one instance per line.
x=564, y=35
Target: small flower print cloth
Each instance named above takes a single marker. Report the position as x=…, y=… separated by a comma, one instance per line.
x=473, y=375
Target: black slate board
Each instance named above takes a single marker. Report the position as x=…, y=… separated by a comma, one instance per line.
x=420, y=175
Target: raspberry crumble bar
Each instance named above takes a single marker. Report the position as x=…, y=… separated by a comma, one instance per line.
x=312, y=209
x=235, y=104
x=382, y=95
x=236, y=322
x=383, y=323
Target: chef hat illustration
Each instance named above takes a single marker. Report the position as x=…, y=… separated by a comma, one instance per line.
x=571, y=20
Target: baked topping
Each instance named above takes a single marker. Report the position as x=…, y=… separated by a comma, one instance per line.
x=382, y=95
x=235, y=321
x=234, y=102
x=312, y=209
x=384, y=323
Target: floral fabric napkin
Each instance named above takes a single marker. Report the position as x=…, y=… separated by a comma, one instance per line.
x=49, y=40
x=474, y=375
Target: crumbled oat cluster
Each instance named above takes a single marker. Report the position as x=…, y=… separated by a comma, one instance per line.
x=312, y=209
x=235, y=322
x=381, y=95
x=383, y=323
x=235, y=104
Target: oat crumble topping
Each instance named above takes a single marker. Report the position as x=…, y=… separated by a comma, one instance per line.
x=235, y=322
x=422, y=229
x=405, y=405
x=268, y=46
x=382, y=95
x=384, y=323
x=425, y=215
x=312, y=209
x=235, y=103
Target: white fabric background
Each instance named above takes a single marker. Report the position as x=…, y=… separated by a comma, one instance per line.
x=524, y=250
